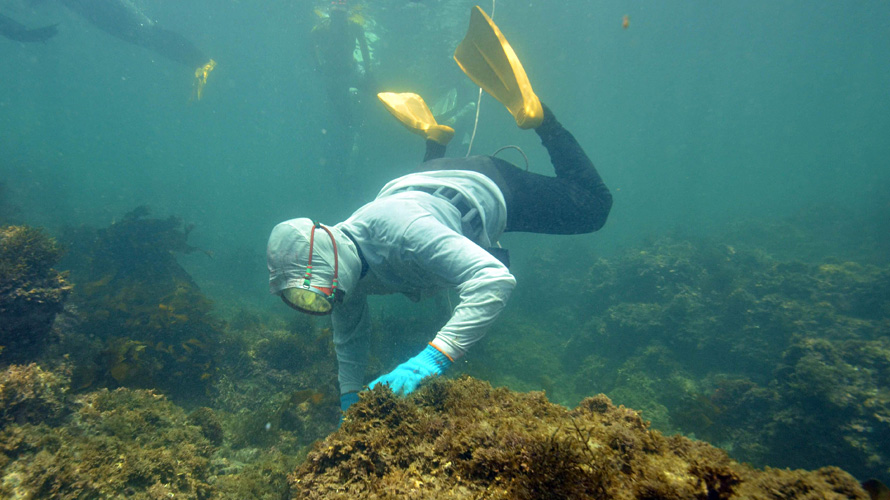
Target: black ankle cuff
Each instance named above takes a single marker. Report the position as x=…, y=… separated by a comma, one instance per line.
x=434, y=150
x=549, y=123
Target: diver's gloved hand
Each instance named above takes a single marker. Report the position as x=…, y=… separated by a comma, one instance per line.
x=408, y=375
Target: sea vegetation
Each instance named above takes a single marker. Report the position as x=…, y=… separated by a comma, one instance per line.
x=259, y=390
x=278, y=384
x=29, y=393
x=780, y=362
x=463, y=439
x=32, y=292
x=151, y=321
x=144, y=393
x=104, y=444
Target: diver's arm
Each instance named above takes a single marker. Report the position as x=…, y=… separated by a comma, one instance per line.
x=484, y=284
x=12, y=29
x=352, y=326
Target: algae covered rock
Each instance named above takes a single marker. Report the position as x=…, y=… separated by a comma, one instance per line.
x=780, y=362
x=464, y=439
x=151, y=319
x=114, y=444
x=31, y=394
x=31, y=291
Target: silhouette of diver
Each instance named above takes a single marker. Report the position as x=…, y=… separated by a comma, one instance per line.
x=123, y=20
x=12, y=29
x=334, y=40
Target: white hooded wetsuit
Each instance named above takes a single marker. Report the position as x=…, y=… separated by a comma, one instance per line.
x=416, y=242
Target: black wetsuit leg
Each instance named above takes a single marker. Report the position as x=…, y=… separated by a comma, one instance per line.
x=434, y=151
x=576, y=201
x=13, y=30
x=123, y=21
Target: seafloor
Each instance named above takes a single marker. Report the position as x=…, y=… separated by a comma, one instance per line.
x=120, y=379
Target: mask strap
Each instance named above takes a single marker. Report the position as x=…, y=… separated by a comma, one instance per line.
x=308, y=276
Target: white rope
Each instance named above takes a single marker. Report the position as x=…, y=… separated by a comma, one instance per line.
x=479, y=100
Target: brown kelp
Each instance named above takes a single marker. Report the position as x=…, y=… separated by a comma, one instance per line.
x=152, y=320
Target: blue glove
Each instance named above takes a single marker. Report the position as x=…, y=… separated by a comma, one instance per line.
x=408, y=375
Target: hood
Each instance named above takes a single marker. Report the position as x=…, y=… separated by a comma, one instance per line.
x=288, y=254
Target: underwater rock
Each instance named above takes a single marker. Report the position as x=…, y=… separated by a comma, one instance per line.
x=152, y=320
x=835, y=402
x=464, y=439
x=273, y=394
x=210, y=425
x=113, y=444
x=31, y=292
x=133, y=444
x=785, y=363
x=30, y=394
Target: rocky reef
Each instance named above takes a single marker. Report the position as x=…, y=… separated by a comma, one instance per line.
x=782, y=363
x=138, y=341
x=31, y=292
x=150, y=323
x=451, y=439
x=104, y=444
x=140, y=390
x=464, y=439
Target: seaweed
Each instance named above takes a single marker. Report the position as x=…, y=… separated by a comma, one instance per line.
x=31, y=292
x=104, y=444
x=782, y=362
x=29, y=393
x=151, y=318
x=464, y=439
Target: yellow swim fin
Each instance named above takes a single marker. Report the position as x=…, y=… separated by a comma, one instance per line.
x=201, y=75
x=415, y=115
x=487, y=58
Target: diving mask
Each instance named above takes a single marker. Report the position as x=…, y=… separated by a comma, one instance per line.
x=309, y=300
x=312, y=267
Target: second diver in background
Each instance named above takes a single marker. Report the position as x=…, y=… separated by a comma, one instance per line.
x=14, y=30
x=123, y=20
x=342, y=56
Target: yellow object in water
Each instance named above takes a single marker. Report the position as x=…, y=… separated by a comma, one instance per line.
x=411, y=110
x=306, y=300
x=489, y=60
x=201, y=75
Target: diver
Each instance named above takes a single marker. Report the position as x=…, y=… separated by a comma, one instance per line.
x=12, y=29
x=121, y=19
x=334, y=42
x=438, y=228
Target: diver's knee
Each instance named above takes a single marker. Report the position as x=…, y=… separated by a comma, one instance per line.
x=598, y=212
